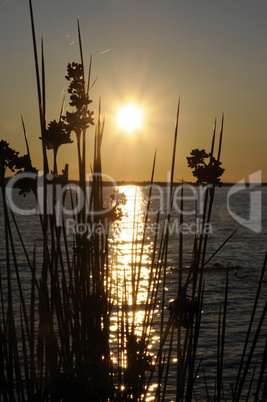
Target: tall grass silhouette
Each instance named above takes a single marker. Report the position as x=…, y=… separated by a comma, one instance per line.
x=57, y=348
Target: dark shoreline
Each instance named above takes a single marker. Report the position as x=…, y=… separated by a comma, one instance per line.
x=158, y=183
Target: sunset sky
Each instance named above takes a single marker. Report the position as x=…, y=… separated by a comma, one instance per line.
x=210, y=53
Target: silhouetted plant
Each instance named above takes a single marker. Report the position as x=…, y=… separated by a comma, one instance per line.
x=205, y=167
x=8, y=160
x=114, y=212
x=183, y=309
x=82, y=118
x=139, y=362
x=26, y=184
x=57, y=134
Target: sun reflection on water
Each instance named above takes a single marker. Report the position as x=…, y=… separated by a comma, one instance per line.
x=128, y=245
x=130, y=277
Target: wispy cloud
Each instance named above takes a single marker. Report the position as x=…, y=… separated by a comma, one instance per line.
x=105, y=51
x=5, y=2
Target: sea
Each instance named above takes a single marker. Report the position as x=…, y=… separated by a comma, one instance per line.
x=237, y=240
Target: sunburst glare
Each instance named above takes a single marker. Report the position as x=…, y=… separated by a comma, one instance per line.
x=130, y=118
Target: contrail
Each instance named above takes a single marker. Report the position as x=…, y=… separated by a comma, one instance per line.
x=105, y=51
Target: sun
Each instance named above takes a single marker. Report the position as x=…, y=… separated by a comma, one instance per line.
x=130, y=117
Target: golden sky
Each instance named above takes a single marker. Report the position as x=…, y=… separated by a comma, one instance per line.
x=211, y=54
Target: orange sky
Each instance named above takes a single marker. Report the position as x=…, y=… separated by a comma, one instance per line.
x=211, y=54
